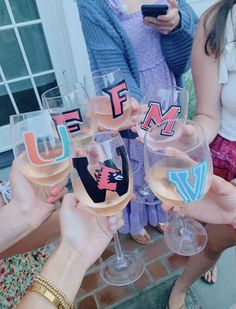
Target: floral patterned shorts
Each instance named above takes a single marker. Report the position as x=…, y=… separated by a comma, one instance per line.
x=16, y=275
x=17, y=272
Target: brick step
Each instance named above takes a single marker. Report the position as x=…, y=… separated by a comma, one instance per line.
x=156, y=297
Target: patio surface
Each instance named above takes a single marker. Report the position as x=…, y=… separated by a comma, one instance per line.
x=152, y=290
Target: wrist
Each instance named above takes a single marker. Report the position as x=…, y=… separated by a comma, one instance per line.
x=75, y=255
x=65, y=269
x=14, y=225
x=25, y=213
x=178, y=25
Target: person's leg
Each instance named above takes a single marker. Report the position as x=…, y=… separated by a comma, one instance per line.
x=162, y=219
x=220, y=237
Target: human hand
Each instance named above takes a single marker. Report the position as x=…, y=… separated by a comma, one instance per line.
x=165, y=23
x=134, y=107
x=217, y=207
x=34, y=202
x=85, y=232
x=137, y=119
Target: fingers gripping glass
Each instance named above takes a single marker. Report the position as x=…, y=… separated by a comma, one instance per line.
x=179, y=169
x=68, y=102
x=160, y=104
x=102, y=178
x=42, y=148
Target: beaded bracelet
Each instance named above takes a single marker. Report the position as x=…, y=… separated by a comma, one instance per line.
x=53, y=294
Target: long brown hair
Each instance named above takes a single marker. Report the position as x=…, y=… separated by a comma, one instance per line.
x=214, y=25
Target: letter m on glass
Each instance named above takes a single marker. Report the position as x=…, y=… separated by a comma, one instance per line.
x=158, y=117
x=190, y=191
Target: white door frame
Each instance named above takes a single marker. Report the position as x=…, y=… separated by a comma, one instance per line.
x=67, y=48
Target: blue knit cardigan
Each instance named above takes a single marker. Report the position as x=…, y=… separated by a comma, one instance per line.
x=109, y=46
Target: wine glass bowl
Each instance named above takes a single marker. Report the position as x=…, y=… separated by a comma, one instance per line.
x=179, y=171
x=109, y=97
x=161, y=104
x=42, y=149
x=70, y=102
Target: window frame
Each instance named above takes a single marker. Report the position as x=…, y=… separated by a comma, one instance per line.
x=64, y=37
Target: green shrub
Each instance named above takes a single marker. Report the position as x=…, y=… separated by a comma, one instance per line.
x=188, y=84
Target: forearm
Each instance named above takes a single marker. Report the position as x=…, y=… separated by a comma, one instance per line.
x=177, y=45
x=14, y=225
x=209, y=124
x=65, y=270
x=36, y=238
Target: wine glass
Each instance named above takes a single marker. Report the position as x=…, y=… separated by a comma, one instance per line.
x=109, y=97
x=102, y=178
x=69, y=100
x=161, y=103
x=42, y=148
x=179, y=170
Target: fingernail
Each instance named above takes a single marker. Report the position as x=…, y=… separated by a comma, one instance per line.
x=50, y=199
x=55, y=191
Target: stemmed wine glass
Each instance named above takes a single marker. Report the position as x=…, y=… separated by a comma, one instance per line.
x=42, y=148
x=161, y=103
x=110, y=98
x=102, y=178
x=68, y=102
x=179, y=169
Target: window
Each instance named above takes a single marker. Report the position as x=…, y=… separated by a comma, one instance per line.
x=40, y=47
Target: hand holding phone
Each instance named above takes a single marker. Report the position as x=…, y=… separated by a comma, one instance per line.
x=154, y=10
x=165, y=18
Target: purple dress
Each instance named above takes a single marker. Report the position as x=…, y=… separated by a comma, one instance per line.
x=152, y=69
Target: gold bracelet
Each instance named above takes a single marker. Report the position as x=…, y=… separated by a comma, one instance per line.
x=37, y=287
x=59, y=300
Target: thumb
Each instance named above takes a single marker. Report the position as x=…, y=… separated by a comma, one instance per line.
x=173, y=4
x=222, y=187
x=69, y=200
x=134, y=105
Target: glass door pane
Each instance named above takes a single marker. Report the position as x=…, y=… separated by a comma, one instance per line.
x=25, y=65
x=4, y=16
x=24, y=10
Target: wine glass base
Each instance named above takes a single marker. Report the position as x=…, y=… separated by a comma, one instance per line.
x=115, y=272
x=144, y=195
x=188, y=240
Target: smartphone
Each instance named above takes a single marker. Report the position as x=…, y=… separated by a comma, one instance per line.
x=154, y=10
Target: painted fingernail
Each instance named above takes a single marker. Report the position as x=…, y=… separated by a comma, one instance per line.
x=55, y=191
x=50, y=199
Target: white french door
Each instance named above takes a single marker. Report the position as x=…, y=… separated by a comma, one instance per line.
x=41, y=45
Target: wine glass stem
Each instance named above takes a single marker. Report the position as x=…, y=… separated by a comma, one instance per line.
x=119, y=252
x=185, y=232
x=181, y=215
x=121, y=262
x=183, y=222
